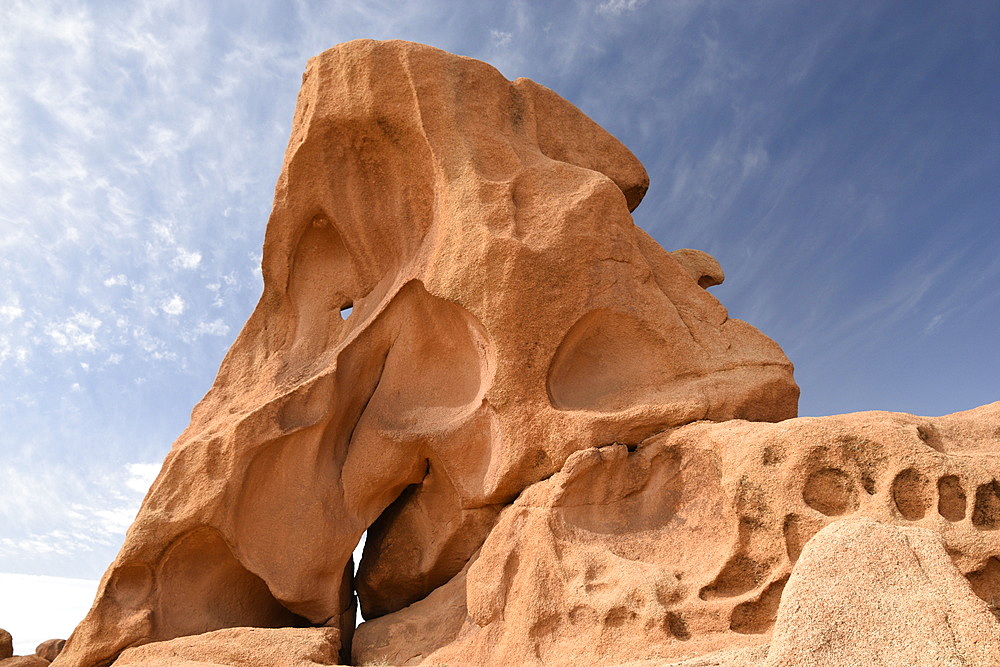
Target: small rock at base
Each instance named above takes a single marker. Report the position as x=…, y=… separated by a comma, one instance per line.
x=6, y=644
x=50, y=648
x=24, y=661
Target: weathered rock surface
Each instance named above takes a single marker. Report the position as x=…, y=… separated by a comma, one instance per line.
x=50, y=649
x=559, y=443
x=241, y=647
x=505, y=313
x=684, y=546
x=25, y=661
x=6, y=644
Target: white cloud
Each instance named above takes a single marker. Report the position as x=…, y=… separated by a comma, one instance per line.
x=186, y=260
x=114, y=281
x=82, y=519
x=216, y=327
x=501, y=38
x=79, y=332
x=141, y=476
x=174, y=305
x=10, y=312
x=618, y=7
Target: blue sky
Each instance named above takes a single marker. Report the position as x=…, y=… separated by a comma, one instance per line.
x=841, y=160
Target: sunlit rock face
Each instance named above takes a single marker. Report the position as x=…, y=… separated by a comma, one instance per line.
x=701, y=540
x=456, y=300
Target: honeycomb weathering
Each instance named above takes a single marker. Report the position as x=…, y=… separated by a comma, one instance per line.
x=558, y=441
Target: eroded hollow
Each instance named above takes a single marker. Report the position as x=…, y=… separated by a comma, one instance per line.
x=912, y=494
x=202, y=587
x=756, y=617
x=607, y=361
x=986, y=512
x=740, y=575
x=985, y=583
x=951, y=498
x=831, y=491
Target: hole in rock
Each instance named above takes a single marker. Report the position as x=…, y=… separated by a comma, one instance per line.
x=677, y=626
x=346, y=311
x=951, y=498
x=986, y=513
x=911, y=494
x=754, y=617
x=830, y=491
x=985, y=583
x=356, y=556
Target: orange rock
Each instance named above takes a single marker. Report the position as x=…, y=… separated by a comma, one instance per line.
x=865, y=593
x=24, y=661
x=6, y=644
x=241, y=647
x=684, y=546
x=504, y=313
x=50, y=648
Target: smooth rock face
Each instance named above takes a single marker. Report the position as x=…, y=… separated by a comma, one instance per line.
x=865, y=593
x=241, y=647
x=684, y=547
x=504, y=312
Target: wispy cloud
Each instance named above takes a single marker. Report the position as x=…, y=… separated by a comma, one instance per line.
x=617, y=7
x=85, y=516
x=501, y=37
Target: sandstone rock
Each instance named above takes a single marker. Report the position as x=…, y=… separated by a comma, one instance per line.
x=504, y=313
x=683, y=547
x=557, y=440
x=865, y=593
x=6, y=644
x=24, y=661
x=50, y=648
x=701, y=266
x=241, y=647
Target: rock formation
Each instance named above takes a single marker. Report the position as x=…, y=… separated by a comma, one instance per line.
x=50, y=649
x=684, y=545
x=44, y=654
x=6, y=644
x=558, y=442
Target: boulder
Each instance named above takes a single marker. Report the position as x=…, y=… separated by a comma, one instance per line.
x=867, y=593
x=24, y=661
x=241, y=647
x=50, y=649
x=6, y=644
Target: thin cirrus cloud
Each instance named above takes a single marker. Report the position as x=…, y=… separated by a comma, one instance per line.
x=839, y=159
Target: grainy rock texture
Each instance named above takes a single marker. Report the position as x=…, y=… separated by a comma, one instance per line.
x=242, y=647
x=6, y=644
x=558, y=441
x=866, y=593
x=25, y=661
x=684, y=546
